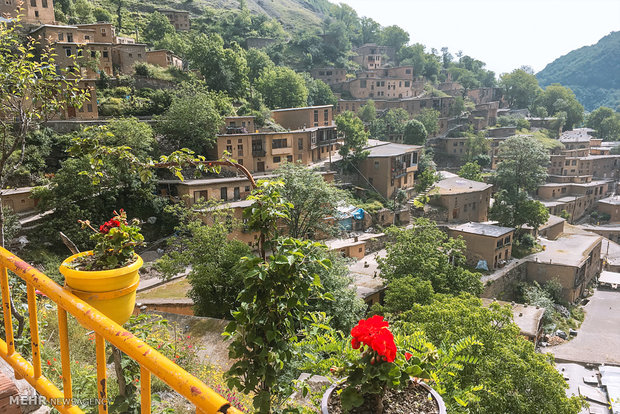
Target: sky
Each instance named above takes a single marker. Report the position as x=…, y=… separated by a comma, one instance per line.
x=505, y=34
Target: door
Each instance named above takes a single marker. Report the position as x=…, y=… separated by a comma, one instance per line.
x=260, y=166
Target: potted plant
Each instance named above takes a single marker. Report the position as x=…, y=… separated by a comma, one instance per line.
x=382, y=380
x=107, y=276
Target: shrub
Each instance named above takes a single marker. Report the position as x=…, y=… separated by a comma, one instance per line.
x=527, y=241
x=142, y=69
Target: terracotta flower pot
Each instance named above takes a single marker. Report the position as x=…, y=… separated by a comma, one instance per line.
x=325, y=401
x=111, y=292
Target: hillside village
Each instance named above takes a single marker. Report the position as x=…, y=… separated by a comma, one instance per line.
x=398, y=151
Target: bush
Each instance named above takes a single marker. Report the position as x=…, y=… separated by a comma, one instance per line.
x=527, y=240
x=120, y=92
x=143, y=69
x=403, y=293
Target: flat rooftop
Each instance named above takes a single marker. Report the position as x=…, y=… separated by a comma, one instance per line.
x=568, y=250
x=482, y=229
x=553, y=220
x=527, y=317
x=458, y=185
x=613, y=200
x=303, y=108
x=390, y=149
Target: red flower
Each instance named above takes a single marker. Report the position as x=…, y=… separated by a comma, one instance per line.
x=48, y=362
x=408, y=355
x=373, y=332
x=105, y=228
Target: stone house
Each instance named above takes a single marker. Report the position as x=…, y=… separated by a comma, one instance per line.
x=19, y=199
x=33, y=11
x=179, y=19
x=306, y=117
x=372, y=56
x=461, y=200
x=611, y=206
x=487, y=242
x=164, y=58
x=390, y=167
x=573, y=260
x=331, y=76
x=125, y=56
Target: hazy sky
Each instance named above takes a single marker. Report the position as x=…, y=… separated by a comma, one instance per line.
x=505, y=34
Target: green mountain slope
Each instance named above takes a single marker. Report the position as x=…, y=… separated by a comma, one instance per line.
x=592, y=72
x=294, y=15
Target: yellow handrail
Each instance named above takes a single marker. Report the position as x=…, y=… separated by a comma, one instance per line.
x=151, y=362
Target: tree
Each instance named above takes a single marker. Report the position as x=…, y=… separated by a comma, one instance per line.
x=319, y=93
x=313, y=200
x=215, y=277
x=31, y=92
x=102, y=15
x=133, y=133
x=415, y=133
x=471, y=171
x=157, y=27
x=523, y=164
x=520, y=88
x=597, y=116
x=517, y=209
x=556, y=98
x=458, y=106
x=371, y=30
x=355, y=136
x=610, y=128
x=193, y=119
x=430, y=120
x=508, y=368
x=406, y=291
x=476, y=145
x=281, y=87
x=426, y=252
x=391, y=125
x=368, y=112
x=257, y=61
x=394, y=36
x=83, y=11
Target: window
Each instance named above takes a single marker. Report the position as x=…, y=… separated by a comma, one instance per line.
x=87, y=37
x=408, y=71
x=465, y=208
x=36, y=13
x=321, y=73
x=316, y=117
x=69, y=37
x=61, y=37
x=325, y=116
x=276, y=160
x=300, y=143
x=363, y=84
x=131, y=55
x=289, y=158
x=93, y=54
x=103, y=32
x=507, y=240
x=139, y=55
x=90, y=107
x=105, y=54
x=278, y=143
x=236, y=194
x=200, y=195
x=376, y=165
x=499, y=243
x=68, y=52
x=229, y=149
x=33, y=3
x=44, y=3
x=79, y=52
x=240, y=150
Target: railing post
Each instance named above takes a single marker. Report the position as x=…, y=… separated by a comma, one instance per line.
x=102, y=386
x=6, y=310
x=65, y=356
x=145, y=390
x=34, y=330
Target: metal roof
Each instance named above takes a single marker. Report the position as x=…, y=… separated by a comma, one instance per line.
x=482, y=229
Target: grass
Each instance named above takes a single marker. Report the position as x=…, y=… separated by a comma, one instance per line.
x=520, y=252
x=173, y=290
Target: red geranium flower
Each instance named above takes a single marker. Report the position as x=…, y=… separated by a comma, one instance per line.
x=373, y=332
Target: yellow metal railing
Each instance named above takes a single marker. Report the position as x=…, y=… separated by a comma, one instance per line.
x=151, y=362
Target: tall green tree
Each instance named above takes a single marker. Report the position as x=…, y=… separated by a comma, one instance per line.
x=610, y=128
x=476, y=145
x=414, y=133
x=368, y=112
x=391, y=125
x=520, y=88
x=517, y=209
x=355, y=136
x=523, y=164
x=257, y=61
x=282, y=87
x=224, y=69
x=319, y=93
x=157, y=27
x=557, y=98
x=597, y=116
x=430, y=120
x=426, y=252
x=514, y=377
x=313, y=200
x=137, y=135
x=193, y=119
x=471, y=171
x=394, y=36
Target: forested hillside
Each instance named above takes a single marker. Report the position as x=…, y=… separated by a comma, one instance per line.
x=590, y=71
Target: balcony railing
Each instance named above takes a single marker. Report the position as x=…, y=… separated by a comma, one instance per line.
x=151, y=362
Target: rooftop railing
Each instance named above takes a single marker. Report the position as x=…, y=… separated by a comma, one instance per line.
x=151, y=362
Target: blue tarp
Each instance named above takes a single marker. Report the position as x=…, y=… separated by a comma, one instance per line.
x=482, y=265
x=358, y=214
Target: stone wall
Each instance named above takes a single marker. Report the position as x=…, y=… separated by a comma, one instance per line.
x=502, y=284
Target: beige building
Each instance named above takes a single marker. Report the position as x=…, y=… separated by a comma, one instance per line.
x=266, y=151
x=573, y=260
x=331, y=76
x=487, y=242
x=19, y=199
x=88, y=110
x=372, y=56
x=390, y=167
x=239, y=125
x=551, y=230
x=33, y=11
x=179, y=19
x=164, y=58
x=101, y=32
x=611, y=206
x=461, y=200
x=306, y=117
x=125, y=56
